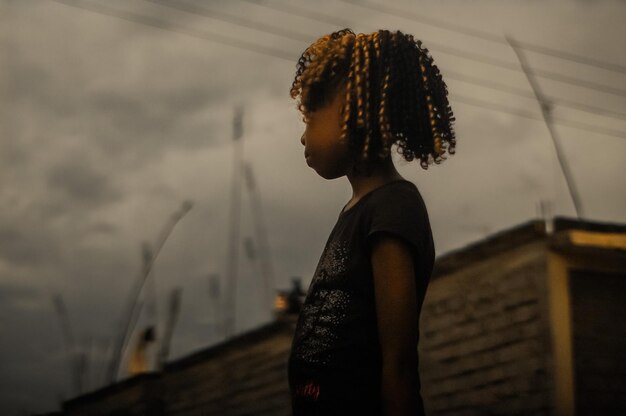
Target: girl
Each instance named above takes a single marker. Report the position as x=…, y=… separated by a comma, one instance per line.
x=354, y=350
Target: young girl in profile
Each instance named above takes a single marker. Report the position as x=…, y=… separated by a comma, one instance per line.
x=354, y=351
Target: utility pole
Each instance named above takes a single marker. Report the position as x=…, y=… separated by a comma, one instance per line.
x=216, y=306
x=130, y=313
x=546, y=111
x=544, y=213
x=74, y=358
x=267, y=270
x=235, y=217
x=168, y=331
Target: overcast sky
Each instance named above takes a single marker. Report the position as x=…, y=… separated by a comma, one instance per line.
x=108, y=124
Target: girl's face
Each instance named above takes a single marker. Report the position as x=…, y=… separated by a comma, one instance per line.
x=323, y=150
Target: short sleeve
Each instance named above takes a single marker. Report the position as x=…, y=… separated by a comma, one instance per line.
x=398, y=212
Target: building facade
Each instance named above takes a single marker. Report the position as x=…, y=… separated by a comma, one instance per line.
x=529, y=321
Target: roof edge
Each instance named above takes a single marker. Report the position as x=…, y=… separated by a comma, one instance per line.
x=568, y=223
x=139, y=379
x=256, y=334
x=506, y=239
x=493, y=244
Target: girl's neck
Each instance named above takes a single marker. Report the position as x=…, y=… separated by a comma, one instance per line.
x=380, y=175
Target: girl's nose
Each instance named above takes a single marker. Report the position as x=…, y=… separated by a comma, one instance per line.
x=302, y=139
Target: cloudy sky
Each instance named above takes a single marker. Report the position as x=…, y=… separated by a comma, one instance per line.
x=115, y=112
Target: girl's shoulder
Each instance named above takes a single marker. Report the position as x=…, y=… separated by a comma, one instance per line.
x=396, y=192
x=391, y=199
x=398, y=209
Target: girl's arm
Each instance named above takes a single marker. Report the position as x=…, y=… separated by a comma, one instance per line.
x=396, y=309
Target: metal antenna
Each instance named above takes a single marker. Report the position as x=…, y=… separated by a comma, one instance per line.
x=130, y=310
x=267, y=269
x=172, y=317
x=69, y=342
x=215, y=306
x=235, y=217
x=546, y=111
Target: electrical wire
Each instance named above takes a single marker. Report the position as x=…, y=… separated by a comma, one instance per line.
x=406, y=14
x=474, y=57
x=229, y=18
x=289, y=8
x=524, y=93
x=160, y=24
x=556, y=120
x=181, y=29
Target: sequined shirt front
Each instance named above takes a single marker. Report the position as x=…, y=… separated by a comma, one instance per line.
x=335, y=360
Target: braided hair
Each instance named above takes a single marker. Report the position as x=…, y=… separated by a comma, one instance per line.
x=394, y=93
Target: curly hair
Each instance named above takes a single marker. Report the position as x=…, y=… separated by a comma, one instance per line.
x=394, y=94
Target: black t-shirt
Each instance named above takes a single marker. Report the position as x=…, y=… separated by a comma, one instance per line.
x=335, y=361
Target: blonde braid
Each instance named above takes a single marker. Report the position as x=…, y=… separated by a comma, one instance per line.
x=383, y=120
x=345, y=42
x=318, y=55
x=366, y=76
x=432, y=111
x=356, y=57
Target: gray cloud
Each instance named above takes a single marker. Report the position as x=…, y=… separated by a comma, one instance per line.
x=12, y=294
x=108, y=125
x=21, y=248
x=79, y=183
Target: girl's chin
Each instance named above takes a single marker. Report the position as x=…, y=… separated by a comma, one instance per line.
x=328, y=175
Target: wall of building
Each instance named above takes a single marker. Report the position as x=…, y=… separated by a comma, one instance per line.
x=599, y=341
x=136, y=396
x=246, y=381
x=484, y=340
x=246, y=375
x=517, y=324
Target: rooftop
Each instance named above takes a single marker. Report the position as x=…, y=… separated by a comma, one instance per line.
x=567, y=234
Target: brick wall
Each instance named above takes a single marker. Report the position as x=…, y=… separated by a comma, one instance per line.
x=136, y=396
x=484, y=337
x=246, y=375
x=246, y=381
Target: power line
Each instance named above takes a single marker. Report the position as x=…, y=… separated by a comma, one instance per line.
x=589, y=127
x=173, y=27
x=546, y=112
x=406, y=14
x=537, y=72
x=289, y=8
x=514, y=111
x=229, y=18
x=523, y=93
x=609, y=66
x=465, y=54
x=149, y=21
x=494, y=106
